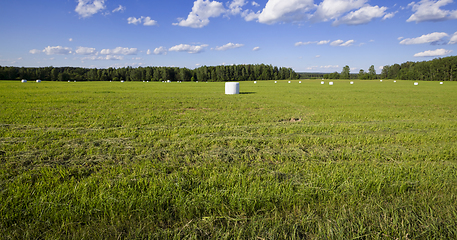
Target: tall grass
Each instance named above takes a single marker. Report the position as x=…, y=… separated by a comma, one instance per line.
x=99, y=160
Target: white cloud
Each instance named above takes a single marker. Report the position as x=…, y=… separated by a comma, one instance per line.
x=430, y=10
x=255, y=4
x=453, y=39
x=134, y=20
x=342, y=43
x=250, y=15
x=389, y=15
x=119, y=9
x=348, y=43
x=333, y=9
x=229, y=46
x=285, y=11
x=201, y=12
x=323, y=42
x=146, y=21
x=188, y=48
x=57, y=50
x=361, y=16
x=119, y=51
x=337, y=43
x=87, y=8
x=158, y=51
x=149, y=22
x=107, y=57
x=256, y=49
x=400, y=38
x=433, y=53
x=86, y=51
x=70, y=39
x=317, y=56
x=428, y=38
x=236, y=6
x=35, y=51
x=303, y=43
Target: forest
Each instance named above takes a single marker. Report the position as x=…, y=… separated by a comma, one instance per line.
x=204, y=73
x=439, y=69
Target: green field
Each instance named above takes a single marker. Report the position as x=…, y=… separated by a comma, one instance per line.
x=134, y=160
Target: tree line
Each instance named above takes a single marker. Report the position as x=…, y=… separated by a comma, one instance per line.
x=248, y=72
x=439, y=69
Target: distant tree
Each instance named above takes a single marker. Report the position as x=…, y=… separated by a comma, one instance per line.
x=372, y=72
x=345, y=74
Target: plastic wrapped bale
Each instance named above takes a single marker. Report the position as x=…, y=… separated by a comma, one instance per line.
x=23, y=81
x=232, y=88
x=330, y=83
x=38, y=80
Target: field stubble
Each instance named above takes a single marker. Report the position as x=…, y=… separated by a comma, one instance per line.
x=282, y=161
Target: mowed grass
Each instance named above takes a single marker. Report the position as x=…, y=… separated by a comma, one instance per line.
x=101, y=160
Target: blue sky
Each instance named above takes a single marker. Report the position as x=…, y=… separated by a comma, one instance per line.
x=307, y=35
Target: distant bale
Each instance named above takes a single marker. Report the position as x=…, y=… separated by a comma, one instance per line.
x=23, y=81
x=38, y=80
x=330, y=83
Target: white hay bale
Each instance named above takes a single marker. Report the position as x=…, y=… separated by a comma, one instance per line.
x=395, y=81
x=441, y=83
x=232, y=88
x=380, y=80
x=289, y=81
x=322, y=82
x=23, y=81
x=255, y=82
x=276, y=81
x=416, y=84
x=122, y=80
x=299, y=82
x=330, y=83
x=352, y=82
x=38, y=80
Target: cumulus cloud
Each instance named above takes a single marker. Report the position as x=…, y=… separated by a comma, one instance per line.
x=188, y=48
x=453, y=39
x=342, y=43
x=361, y=16
x=255, y=4
x=149, y=22
x=285, y=11
x=35, y=51
x=158, y=51
x=86, y=51
x=430, y=10
x=57, y=50
x=119, y=9
x=323, y=42
x=236, y=6
x=146, y=21
x=120, y=51
x=389, y=15
x=428, y=38
x=107, y=57
x=303, y=43
x=201, y=12
x=229, y=46
x=433, y=53
x=333, y=9
x=87, y=8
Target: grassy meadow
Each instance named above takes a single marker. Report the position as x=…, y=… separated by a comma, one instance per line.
x=134, y=160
